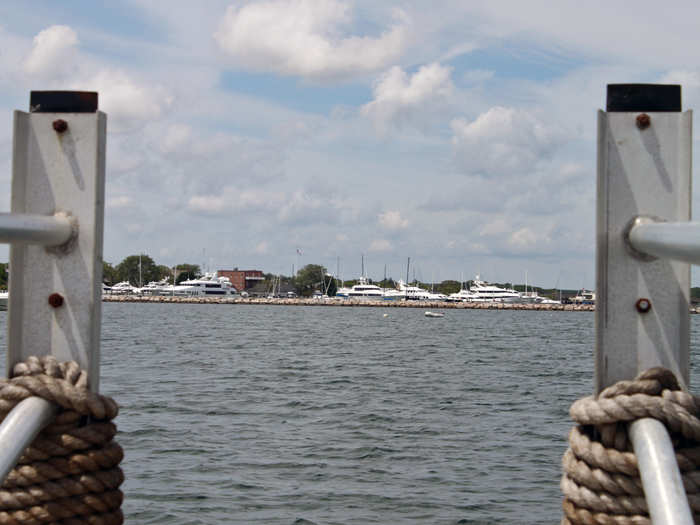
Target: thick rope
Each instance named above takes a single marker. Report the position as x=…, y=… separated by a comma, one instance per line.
x=70, y=473
x=601, y=482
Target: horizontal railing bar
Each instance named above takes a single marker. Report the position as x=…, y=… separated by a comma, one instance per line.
x=19, y=428
x=670, y=240
x=49, y=230
x=661, y=479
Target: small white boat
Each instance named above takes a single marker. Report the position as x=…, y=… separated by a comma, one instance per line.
x=434, y=314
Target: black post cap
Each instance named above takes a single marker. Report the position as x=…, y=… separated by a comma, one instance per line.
x=63, y=102
x=644, y=97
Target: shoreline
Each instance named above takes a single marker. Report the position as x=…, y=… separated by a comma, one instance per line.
x=348, y=303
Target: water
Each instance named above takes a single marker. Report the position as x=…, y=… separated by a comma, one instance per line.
x=316, y=415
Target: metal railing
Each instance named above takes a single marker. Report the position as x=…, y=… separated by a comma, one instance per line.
x=55, y=231
x=645, y=245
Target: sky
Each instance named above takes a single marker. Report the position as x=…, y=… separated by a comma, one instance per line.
x=277, y=133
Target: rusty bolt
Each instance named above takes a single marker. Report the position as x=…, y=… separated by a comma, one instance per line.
x=643, y=121
x=60, y=125
x=643, y=305
x=56, y=300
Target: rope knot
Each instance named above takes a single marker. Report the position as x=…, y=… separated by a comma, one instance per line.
x=601, y=481
x=70, y=473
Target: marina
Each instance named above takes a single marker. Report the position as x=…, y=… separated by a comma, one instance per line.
x=297, y=403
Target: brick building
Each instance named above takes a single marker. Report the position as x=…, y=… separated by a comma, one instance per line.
x=242, y=279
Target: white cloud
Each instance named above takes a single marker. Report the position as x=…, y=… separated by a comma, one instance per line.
x=120, y=202
x=208, y=203
x=53, y=52
x=399, y=97
x=125, y=100
x=262, y=248
x=305, y=38
x=392, y=220
x=176, y=136
x=380, y=245
x=503, y=140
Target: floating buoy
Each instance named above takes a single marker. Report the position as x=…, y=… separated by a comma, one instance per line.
x=386, y=315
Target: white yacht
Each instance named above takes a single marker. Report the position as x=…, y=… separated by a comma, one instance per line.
x=584, y=297
x=361, y=289
x=486, y=292
x=414, y=293
x=156, y=287
x=463, y=296
x=123, y=288
x=210, y=285
x=533, y=297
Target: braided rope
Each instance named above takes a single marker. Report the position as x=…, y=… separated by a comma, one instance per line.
x=70, y=473
x=601, y=482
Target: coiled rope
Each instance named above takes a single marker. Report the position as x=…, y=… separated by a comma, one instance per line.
x=70, y=474
x=601, y=482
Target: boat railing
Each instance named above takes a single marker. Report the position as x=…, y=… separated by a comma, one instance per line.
x=55, y=232
x=645, y=244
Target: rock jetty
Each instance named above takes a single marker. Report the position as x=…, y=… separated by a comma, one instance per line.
x=339, y=302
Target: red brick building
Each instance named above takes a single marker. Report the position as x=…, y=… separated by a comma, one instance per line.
x=242, y=279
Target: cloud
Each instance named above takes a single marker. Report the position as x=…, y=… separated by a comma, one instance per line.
x=399, y=98
x=120, y=202
x=503, y=140
x=392, y=220
x=305, y=38
x=125, y=100
x=262, y=248
x=176, y=136
x=380, y=245
x=53, y=52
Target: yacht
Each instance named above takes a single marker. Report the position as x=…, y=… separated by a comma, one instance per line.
x=209, y=285
x=463, y=296
x=155, y=287
x=485, y=292
x=532, y=297
x=584, y=297
x=4, y=297
x=123, y=288
x=361, y=289
x=414, y=293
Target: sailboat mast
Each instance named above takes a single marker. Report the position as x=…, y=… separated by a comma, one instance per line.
x=408, y=264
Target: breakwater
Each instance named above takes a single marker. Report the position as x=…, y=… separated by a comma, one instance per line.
x=347, y=303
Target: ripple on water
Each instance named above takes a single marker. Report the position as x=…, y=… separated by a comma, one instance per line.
x=339, y=416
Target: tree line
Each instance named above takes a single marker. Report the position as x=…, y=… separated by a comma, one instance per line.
x=142, y=269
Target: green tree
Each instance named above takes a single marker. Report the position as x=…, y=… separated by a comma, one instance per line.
x=137, y=269
x=109, y=273
x=308, y=279
x=163, y=272
x=448, y=287
x=3, y=276
x=187, y=271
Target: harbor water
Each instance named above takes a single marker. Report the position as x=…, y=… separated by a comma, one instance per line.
x=314, y=415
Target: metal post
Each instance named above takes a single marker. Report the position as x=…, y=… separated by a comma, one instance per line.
x=55, y=231
x=37, y=229
x=20, y=427
x=672, y=240
x=661, y=479
x=58, y=169
x=642, y=304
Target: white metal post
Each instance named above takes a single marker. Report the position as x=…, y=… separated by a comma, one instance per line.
x=58, y=169
x=642, y=303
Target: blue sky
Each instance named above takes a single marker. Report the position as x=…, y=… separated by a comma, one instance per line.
x=460, y=134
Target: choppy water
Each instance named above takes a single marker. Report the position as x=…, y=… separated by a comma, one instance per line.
x=316, y=415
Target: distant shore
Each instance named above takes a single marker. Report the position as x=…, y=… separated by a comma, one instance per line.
x=340, y=302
